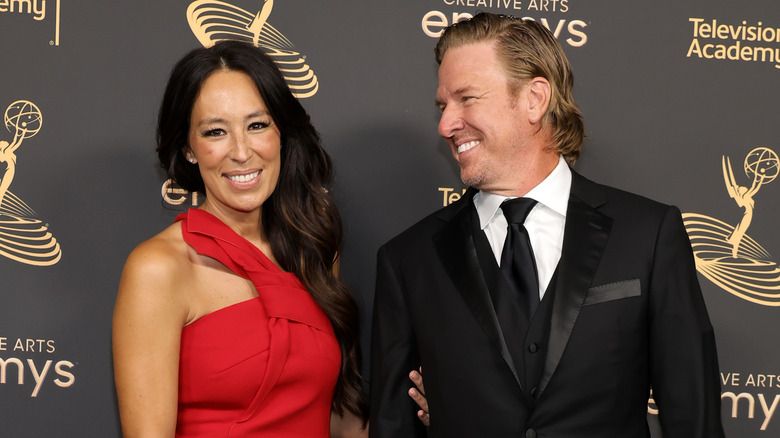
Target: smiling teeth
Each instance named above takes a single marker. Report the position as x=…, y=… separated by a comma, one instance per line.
x=466, y=146
x=244, y=178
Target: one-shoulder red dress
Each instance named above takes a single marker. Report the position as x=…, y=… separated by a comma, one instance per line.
x=265, y=367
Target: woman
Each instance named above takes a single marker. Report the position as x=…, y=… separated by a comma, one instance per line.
x=232, y=321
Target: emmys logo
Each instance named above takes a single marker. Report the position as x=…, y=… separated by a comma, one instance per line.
x=60, y=372
x=572, y=32
x=214, y=20
x=23, y=237
x=725, y=253
x=36, y=9
x=177, y=197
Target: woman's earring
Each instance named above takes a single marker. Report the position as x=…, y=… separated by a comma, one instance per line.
x=191, y=160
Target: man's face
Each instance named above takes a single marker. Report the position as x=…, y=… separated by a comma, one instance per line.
x=484, y=124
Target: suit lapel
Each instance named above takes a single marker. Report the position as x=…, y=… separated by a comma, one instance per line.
x=458, y=254
x=585, y=236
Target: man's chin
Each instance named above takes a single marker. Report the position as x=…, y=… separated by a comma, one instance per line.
x=471, y=181
x=472, y=175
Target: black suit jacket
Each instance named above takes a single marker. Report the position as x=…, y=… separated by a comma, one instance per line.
x=627, y=314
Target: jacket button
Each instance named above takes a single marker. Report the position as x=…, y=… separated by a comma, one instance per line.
x=534, y=390
x=533, y=348
x=530, y=433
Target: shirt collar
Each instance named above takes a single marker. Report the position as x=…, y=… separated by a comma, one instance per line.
x=552, y=192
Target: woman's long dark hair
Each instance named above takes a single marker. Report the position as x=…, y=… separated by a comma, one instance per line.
x=300, y=219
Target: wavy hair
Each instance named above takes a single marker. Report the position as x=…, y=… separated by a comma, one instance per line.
x=527, y=50
x=300, y=217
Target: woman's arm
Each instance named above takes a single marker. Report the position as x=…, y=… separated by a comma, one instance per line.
x=148, y=318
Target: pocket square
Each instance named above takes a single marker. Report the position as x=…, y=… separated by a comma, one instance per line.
x=613, y=291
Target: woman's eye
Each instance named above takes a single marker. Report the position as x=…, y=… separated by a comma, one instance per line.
x=213, y=132
x=258, y=125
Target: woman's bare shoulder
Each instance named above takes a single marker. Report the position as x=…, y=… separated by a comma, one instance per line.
x=165, y=251
x=154, y=270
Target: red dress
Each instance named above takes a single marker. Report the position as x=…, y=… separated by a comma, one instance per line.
x=265, y=367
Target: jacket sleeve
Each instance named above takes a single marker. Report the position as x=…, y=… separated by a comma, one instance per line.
x=393, y=355
x=684, y=359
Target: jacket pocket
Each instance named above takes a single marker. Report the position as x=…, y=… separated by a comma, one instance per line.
x=613, y=291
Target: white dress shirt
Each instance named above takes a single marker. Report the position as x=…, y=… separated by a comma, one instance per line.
x=544, y=223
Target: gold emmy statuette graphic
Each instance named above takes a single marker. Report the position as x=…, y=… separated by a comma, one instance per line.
x=725, y=254
x=214, y=20
x=23, y=237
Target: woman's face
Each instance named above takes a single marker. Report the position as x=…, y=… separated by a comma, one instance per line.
x=235, y=142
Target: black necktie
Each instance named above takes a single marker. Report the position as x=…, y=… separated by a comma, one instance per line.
x=517, y=258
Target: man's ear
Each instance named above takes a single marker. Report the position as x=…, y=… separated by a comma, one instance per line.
x=538, y=92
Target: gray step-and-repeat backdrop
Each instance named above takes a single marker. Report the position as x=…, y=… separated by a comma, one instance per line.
x=679, y=98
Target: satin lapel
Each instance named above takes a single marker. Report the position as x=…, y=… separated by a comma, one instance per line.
x=455, y=246
x=585, y=236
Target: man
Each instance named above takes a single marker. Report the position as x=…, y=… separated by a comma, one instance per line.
x=616, y=307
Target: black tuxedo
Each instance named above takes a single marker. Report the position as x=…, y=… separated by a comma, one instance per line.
x=623, y=312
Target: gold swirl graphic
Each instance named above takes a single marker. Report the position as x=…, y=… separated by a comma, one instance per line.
x=11, y=205
x=725, y=254
x=23, y=237
x=752, y=275
x=28, y=241
x=214, y=20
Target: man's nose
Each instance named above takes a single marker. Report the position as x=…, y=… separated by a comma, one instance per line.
x=450, y=122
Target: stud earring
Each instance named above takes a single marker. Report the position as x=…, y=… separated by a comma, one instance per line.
x=191, y=160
